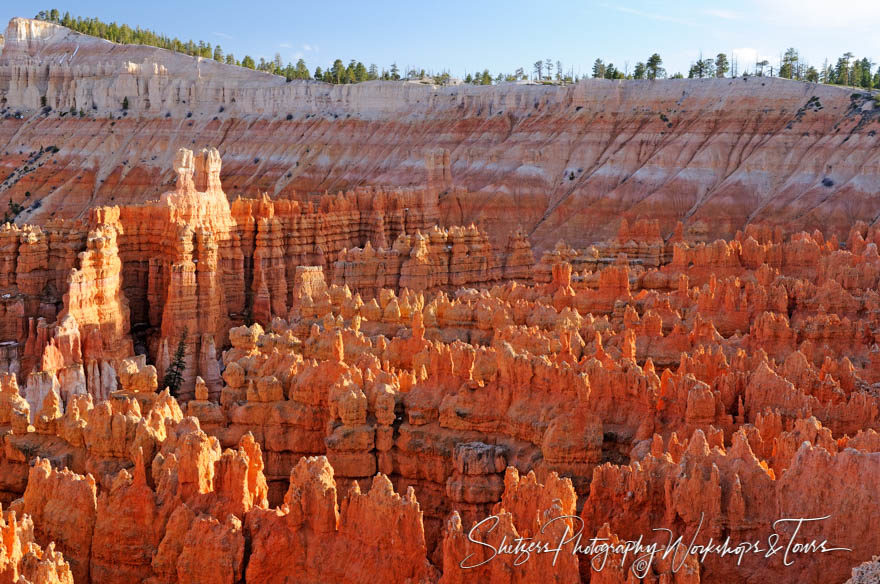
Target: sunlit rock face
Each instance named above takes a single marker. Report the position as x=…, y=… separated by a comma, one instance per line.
x=398, y=310
x=716, y=154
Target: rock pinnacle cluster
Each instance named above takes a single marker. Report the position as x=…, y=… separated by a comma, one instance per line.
x=420, y=322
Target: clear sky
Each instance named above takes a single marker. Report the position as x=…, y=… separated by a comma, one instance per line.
x=466, y=35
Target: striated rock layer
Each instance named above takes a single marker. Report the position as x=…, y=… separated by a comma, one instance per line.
x=713, y=153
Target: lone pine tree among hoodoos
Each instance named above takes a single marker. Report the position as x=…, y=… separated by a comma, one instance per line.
x=174, y=374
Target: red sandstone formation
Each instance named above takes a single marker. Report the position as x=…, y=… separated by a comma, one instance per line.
x=22, y=560
x=192, y=264
x=570, y=160
x=526, y=506
x=313, y=533
x=705, y=394
x=370, y=375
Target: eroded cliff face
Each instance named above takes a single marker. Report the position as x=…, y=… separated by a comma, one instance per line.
x=80, y=295
x=715, y=154
x=369, y=375
x=404, y=382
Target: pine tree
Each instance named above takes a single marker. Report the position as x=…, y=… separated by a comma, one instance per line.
x=841, y=70
x=174, y=374
x=709, y=67
x=653, y=68
x=865, y=79
x=759, y=67
x=360, y=72
x=722, y=65
x=788, y=68
x=639, y=72
x=337, y=72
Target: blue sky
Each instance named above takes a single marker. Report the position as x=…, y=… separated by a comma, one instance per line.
x=463, y=36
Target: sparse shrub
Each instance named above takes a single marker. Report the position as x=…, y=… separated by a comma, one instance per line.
x=13, y=212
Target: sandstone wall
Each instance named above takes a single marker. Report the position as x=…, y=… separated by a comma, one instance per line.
x=713, y=153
